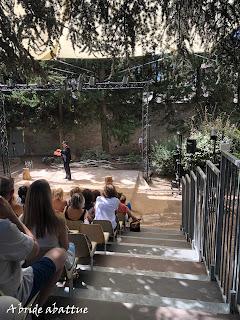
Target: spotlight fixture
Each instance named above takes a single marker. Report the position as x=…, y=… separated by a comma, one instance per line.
x=80, y=82
x=125, y=80
x=213, y=134
x=92, y=81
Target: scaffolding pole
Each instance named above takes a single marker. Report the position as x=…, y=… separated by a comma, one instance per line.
x=4, y=139
x=146, y=134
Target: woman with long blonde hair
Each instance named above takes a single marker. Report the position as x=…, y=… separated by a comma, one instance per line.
x=57, y=200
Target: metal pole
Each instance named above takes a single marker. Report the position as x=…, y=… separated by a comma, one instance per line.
x=4, y=139
x=146, y=131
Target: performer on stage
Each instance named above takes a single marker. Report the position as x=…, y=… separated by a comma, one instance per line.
x=66, y=156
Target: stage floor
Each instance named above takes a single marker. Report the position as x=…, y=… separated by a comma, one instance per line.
x=154, y=203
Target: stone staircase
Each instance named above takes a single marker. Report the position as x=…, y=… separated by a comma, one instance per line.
x=153, y=274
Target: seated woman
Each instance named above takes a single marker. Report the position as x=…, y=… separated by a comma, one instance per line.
x=95, y=193
x=22, y=193
x=75, y=210
x=17, y=208
x=39, y=216
x=106, y=205
x=75, y=190
x=123, y=208
x=58, y=203
x=89, y=204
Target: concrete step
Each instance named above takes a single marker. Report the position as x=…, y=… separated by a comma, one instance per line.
x=105, y=310
x=107, y=295
x=147, y=229
x=150, y=251
x=153, y=235
x=149, y=285
x=155, y=242
x=149, y=264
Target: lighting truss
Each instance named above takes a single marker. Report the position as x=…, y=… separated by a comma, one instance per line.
x=69, y=87
x=4, y=151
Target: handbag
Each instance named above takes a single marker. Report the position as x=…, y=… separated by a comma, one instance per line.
x=135, y=226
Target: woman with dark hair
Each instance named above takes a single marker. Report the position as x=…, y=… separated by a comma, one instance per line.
x=39, y=216
x=89, y=204
x=95, y=193
x=22, y=193
x=107, y=205
x=75, y=210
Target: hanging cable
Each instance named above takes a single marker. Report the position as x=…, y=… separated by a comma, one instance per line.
x=74, y=66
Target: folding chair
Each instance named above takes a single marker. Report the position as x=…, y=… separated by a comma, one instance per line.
x=107, y=227
x=95, y=233
x=73, y=225
x=121, y=221
x=82, y=246
x=68, y=273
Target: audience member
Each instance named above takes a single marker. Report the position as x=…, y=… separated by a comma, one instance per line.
x=58, y=203
x=107, y=205
x=89, y=204
x=75, y=190
x=95, y=193
x=75, y=210
x=123, y=208
x=17, y=244
x=7, y=191
x=39, y=216
x=22, y=193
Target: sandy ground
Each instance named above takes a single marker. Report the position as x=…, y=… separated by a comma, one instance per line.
x=154, y=203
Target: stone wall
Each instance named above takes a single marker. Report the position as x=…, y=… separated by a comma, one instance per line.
x=165, y=123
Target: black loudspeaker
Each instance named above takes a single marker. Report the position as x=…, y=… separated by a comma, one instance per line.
x=191, y=146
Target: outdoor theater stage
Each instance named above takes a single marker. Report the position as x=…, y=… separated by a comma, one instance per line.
x=154, y=203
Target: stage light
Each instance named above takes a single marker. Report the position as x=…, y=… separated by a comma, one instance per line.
x=191, y=146
x=92, y=81
x=213, y=134
x=74, y=96
x=125, y=80
x=80, y=82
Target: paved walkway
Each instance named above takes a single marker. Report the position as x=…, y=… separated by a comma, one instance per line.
x=153, y=275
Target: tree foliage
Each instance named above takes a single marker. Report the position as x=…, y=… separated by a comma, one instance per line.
x=115, y=27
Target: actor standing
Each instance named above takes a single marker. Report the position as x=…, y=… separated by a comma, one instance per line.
x=66, y=156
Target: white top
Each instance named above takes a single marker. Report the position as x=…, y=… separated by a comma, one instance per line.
x=140, y=140
x=105, y=209
x=15, y=246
